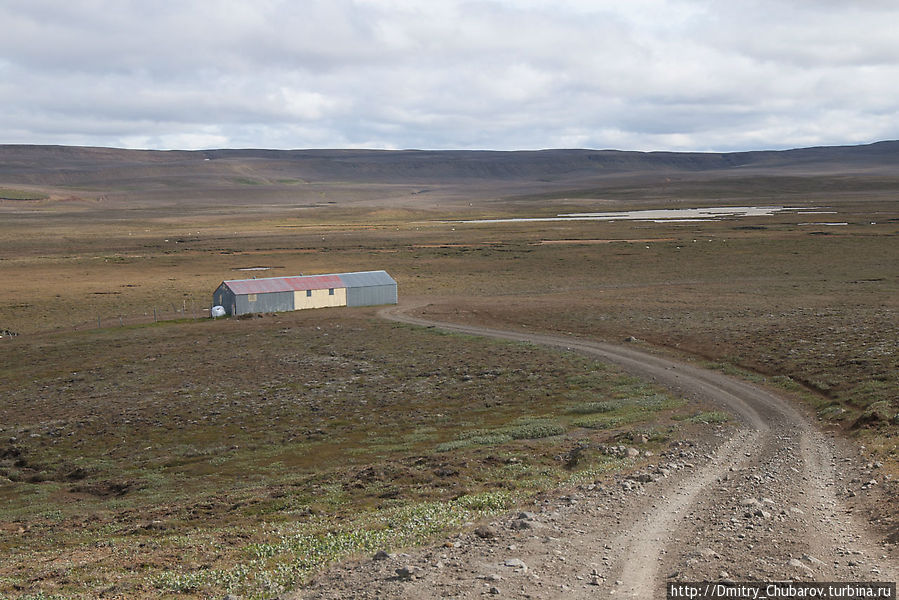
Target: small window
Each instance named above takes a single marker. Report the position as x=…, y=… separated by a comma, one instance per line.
x=308, y=293
x=251, y=297
x=331, y=292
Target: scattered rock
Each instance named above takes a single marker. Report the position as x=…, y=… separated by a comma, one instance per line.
x=485, y=532
x=812, y=560
x=798, y=564
x=381, y=555
x=709, y=554
x=516, y=563
x=408, y=572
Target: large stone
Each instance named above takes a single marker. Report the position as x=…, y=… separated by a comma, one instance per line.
x=408, y=572
x=798, y=564
x=485, y=532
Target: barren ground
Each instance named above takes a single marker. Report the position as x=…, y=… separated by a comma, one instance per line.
x=195, y=459
x=765, y=502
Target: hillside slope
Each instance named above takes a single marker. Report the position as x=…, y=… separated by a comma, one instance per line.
x=61, y=165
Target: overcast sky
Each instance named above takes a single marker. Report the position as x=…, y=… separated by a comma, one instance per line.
x=488, y=74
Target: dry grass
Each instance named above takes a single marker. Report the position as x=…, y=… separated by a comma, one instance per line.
x=235, y=447
x=242, y=455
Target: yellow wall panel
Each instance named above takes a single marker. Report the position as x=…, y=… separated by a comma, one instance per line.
x=319, y=298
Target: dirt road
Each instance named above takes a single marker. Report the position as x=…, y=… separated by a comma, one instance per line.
x=765, y=503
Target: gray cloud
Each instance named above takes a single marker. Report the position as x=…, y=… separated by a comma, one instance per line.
x=503, y=74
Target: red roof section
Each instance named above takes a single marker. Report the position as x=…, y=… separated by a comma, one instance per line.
x=284, y=284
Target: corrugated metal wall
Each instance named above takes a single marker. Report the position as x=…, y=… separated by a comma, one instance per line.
x=369, y=288
x=264, y=303
x=371, y=295
x=225, y=298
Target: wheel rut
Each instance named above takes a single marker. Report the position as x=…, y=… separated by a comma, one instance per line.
x=761, y=505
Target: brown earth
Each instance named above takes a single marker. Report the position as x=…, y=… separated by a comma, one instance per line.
x=808, y=312
x=765, y=502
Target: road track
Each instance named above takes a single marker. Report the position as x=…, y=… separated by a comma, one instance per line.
x=765, y=504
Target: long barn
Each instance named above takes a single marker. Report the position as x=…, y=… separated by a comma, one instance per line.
x=278, y=294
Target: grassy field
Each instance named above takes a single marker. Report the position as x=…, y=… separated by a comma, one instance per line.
x=19, y=194
x=196, y=457
x=241, y=455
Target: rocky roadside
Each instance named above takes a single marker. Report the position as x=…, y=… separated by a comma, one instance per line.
x=761, y=520
x=558, y=545
x=766, y=501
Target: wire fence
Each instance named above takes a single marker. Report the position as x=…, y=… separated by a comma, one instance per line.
x=159, y=312
x=162, y=311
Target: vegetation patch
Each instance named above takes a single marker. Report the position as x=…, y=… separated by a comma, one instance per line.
x=487, y=439
x=241, y=456
x=711, y=417
x=196, y=441
x=16, y=194
x=533, y=429
x=589, y=408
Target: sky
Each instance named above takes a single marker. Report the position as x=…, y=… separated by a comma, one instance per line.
x=685, y=75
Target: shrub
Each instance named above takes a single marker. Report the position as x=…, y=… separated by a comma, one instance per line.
x=487, y=439
x=587, y=408
x=598, y=422
x=534, y=430
x=710, y=417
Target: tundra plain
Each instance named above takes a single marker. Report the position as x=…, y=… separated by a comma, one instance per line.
x=198, y=458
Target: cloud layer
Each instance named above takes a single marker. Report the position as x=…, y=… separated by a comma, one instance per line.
x=494, y=74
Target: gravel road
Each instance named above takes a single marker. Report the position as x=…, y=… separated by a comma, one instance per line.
x=765, y=503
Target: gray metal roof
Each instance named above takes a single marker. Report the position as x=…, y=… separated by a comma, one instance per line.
x=284, y=284
x=366, y=279
x=310, y=282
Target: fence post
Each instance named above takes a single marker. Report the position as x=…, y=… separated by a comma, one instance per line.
x=121, y=321
x=155, y=318
x=98, y=321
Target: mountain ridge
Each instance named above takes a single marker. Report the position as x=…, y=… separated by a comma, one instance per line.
x=96, y=167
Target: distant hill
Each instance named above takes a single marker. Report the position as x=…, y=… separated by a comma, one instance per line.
x=104, y=167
